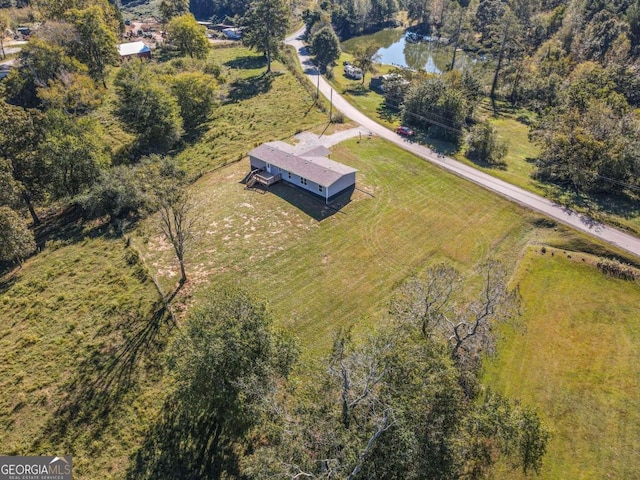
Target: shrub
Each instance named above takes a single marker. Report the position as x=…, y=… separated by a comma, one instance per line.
x=484, y=145
x=617, y=269
x=337, y=117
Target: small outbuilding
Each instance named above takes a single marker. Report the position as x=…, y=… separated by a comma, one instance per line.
x=308, y=169
x=133, y=50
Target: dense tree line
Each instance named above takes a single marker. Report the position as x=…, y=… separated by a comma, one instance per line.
x=575, y=64
x=53, y=148
x=402, y=402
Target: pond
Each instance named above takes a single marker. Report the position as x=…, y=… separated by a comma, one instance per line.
x=403, y=49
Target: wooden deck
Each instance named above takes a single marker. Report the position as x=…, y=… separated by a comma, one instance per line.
x=262, y=177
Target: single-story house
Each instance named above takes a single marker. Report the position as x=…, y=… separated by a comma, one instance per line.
x=133, y=49
x=308, y=169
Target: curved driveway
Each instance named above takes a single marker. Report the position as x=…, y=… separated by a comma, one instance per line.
x=558, y=212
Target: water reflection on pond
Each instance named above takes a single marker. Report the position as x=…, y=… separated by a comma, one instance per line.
x=400, y=48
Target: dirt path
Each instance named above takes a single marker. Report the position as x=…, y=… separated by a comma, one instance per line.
x=558, y=212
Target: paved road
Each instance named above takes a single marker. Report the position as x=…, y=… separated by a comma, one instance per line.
x=560, y=213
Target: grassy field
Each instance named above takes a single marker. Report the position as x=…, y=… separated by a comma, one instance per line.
x=577, y=363
x=320, y=269
x=81, y=339
x=256, y=109
x=79, y=345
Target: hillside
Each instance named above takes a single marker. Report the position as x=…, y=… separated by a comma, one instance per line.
x=108, y=354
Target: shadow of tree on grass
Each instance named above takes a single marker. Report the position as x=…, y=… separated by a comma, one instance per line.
x=183, y=444
x=106, y=376
x=248, y=62
x=359, y=90
x=388, y=114
x=245, y=88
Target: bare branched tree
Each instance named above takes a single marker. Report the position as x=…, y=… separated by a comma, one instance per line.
x=423, y=301
x=471, y=332
x=359, y=372
x=432, y=303
x=177, y=222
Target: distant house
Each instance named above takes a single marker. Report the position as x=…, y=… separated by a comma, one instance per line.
x=306, y=168
x=133, y=49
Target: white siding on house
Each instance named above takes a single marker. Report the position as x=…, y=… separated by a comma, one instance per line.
x=345, y=182
x=330, y=177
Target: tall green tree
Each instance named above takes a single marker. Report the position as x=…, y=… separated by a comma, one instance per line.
x=266, y=24
x=195, y=92
x=147, y=108
x=419, y=10
x=436, y=104
x=21, y=135
x=326, y=47
x=118, y=193
x=57, y=10
x=16, y=240
x=40, y=62
x=226, y=361
x=173, y=8
x=488, y=14
x=188, y=36
x=10, y=189
x=507, y=36
x=73, y=93
x=96, y=42
x=365, y=59
x=74, y=153
x=484, y=145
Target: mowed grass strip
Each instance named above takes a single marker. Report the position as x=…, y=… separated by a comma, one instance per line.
x=576, y=362
x=79, y=364
x=321, y=272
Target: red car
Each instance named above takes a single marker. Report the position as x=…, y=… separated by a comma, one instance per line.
x=406, y=131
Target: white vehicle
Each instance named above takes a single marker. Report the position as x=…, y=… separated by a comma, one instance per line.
x=353, y=72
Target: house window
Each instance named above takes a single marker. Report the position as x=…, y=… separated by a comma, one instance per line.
x=320, y=188
x=303, y=181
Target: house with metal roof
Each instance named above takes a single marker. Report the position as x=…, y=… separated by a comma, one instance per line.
x=133, y=49
x=307, y=168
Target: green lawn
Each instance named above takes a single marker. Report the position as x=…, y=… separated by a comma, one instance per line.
x=576, y=361
x=321, y=271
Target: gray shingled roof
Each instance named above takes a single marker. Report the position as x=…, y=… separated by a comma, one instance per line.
x=320, y=170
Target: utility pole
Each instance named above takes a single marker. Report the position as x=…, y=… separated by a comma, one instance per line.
x=318, y=86
x=331, y=105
